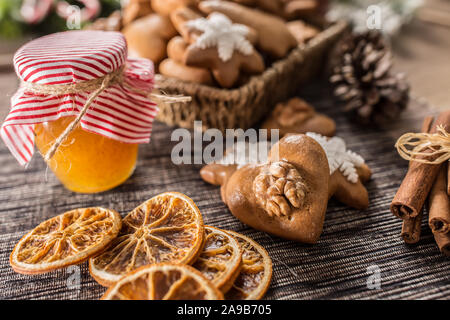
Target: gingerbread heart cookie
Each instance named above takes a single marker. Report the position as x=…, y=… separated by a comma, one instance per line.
x=285, y=198
x=288, y=195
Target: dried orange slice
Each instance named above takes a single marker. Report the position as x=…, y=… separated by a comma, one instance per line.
x=64, y=240
x=166, y=228
x=256, y=273
x=163, y=282
x=221, y=258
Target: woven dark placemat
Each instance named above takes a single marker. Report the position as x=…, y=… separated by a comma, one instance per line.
x=337, y=267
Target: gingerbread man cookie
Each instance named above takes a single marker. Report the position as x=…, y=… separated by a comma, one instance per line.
x=273, y=35
x=288, y=195
x=297, y=116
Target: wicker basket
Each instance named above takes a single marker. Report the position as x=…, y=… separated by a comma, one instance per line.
x=247, y=105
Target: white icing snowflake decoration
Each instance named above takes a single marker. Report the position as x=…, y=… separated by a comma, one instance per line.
x=338, y=156
x=219, y=31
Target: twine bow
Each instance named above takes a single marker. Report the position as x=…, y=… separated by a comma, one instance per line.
x=96, y=87
x=425, y=147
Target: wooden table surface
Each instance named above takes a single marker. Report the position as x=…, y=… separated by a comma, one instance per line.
x=354, y=243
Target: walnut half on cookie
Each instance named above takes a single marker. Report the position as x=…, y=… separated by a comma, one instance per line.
x=280, y=189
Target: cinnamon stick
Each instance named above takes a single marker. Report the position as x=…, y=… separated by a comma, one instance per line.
x=411, y=229
x=439, y=204
x=443, y=242
x=414, y=190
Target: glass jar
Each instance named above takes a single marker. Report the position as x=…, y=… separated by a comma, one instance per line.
x=86, y=162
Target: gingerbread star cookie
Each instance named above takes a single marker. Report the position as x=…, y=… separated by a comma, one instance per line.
x=297, y=116
x=222, y=47
x=288, y=194
x=348, y=172
x=273, y=35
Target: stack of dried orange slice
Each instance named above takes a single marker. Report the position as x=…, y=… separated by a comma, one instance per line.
x=160, y=250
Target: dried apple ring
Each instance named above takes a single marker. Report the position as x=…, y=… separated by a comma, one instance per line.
x=167, y=228
x=256, y=273
x=221, y=258
x=163, y=282
x=64, y=240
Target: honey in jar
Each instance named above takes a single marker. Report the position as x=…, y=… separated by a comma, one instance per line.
x=86, y=162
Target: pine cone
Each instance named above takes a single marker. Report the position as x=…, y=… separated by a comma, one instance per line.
x=363, y=79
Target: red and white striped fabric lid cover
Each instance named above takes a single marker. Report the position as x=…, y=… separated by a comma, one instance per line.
x=118, y=112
